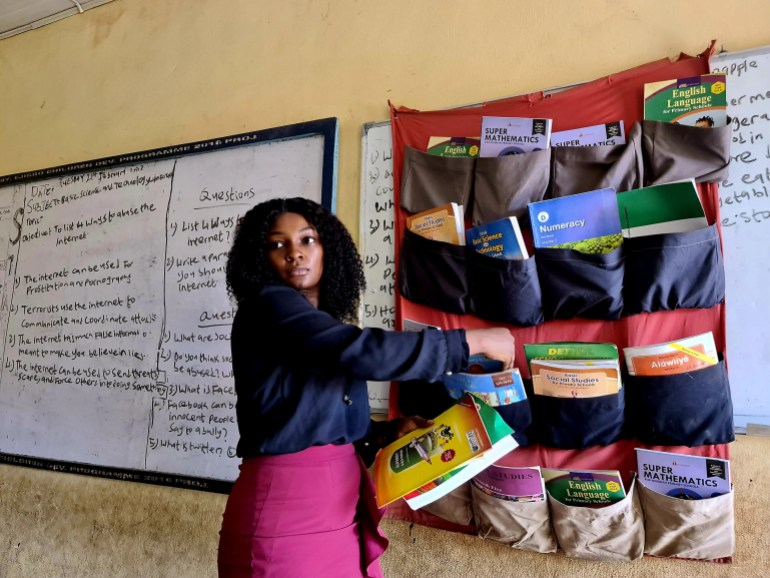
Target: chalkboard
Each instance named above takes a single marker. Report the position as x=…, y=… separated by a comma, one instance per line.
x=745, y=210
x=114, y=315
x=378, y=307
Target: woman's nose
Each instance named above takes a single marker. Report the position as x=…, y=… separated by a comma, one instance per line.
x=293, y=254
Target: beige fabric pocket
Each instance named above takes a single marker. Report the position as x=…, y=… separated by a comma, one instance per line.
x=522, y=525
x=430, y=181
x=503, y=186
x=609, y=533
x=455, y=507
x=676, y=528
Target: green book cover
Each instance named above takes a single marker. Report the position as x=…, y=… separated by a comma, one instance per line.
x=570, y=350
x=584, y=487
x=668, y=208
x=696, y=101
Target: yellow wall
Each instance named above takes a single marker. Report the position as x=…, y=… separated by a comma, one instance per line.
x=139, y=74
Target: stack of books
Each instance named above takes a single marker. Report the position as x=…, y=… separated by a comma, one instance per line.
x=445, y=223
x=658, y=209
x=672, y=357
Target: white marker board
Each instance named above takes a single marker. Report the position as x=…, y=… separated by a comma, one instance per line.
x=114, y=315
x=744, y=199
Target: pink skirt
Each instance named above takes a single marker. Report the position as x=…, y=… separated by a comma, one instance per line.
x=311, y=513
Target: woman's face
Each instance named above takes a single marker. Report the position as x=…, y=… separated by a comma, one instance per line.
x=295, y=252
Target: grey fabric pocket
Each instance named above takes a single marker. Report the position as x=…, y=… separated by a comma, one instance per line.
x=455, y=507
x=522, y=525
x=676, y=528
x=430, y=181
x=608, y=533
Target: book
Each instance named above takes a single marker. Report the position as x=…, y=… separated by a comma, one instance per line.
x=458, y=436
x=444, y=223
x=501, y=239
x=584, y=487
x=672, y=357
x=694, y=101
x=502, y=443
x=562, y=350
x=575, y=378
x=658, y=209
x=455, y=146
x=610, y=133
x=586, y=222
x=495, y=387
x=683, y=476
x=511, y=484
x=505, y=135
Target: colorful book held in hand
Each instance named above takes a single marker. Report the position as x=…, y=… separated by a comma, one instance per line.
x=505, y=135
x=696, y=101
x=454, y=146
x=659, y=209
x=502, y=443
x=445, y=223
x=586, y=222
x=683, y=476
x=500, y=239
x=589, y=488
x=672, y=357
x=610, y=133
x=511, y=484
x=458, y=436
x=486, y=380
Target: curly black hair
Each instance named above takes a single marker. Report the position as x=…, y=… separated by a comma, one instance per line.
x=248, y=268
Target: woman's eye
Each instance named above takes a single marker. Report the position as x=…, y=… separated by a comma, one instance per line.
x=272, y=245
x=309, y=240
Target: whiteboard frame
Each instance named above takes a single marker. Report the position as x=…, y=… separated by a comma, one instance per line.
x=328, y=128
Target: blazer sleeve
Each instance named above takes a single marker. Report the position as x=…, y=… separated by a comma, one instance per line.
x=301, y=334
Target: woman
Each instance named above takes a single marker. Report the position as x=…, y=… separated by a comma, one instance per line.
x=303, y=502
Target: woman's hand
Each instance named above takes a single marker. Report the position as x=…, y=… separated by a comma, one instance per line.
x=495, y=343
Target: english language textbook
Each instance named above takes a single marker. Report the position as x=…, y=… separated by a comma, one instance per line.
x=694, y=101
x=588, y=488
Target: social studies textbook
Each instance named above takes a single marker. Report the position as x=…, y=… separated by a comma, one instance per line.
x=672, y=357
x=586, y=222
x=444, y=223
x=611, y=133
x=683, y=476
x=584, y=487
x=504, y=135
x=696, y=101
x=501, y=239
x=502, y=443
x=667, y=208
x=455, y=146
x=458, y=435
x=575, y=378
x=512, y=484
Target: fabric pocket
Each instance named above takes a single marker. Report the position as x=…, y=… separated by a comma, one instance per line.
x=433, y=273
x=522, y=525
x=577, y=423
x=673, y=271
x=587, y=168
x=430, y=181
x=503, y=290
x=576, y=284
x=608, y=533
x=677, y=528
x=673, y=152
x=455, y=507
x=503, y=186
x=685, y=409
x=518, y=415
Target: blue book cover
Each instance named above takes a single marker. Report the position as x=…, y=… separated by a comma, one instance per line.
x=501, y=239
x=587, y=222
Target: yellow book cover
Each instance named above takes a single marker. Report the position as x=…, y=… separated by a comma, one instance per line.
x=444, y=223
x=456, y=436
x=571, y=378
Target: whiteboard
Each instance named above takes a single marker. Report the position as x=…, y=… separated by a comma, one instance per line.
x=114, y=315
x=745, y=210
x=377, y=221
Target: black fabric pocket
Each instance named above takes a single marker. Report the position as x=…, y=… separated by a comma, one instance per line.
x=433, y=273
x=430, y=181
x=503, y=186
x=504, y=290
x=423, y=398
x=587, y=168
x=518, y=415
x=673, y=271
x=673, y=152
x=575, y=284
x=577, y=423
x=686, y=409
